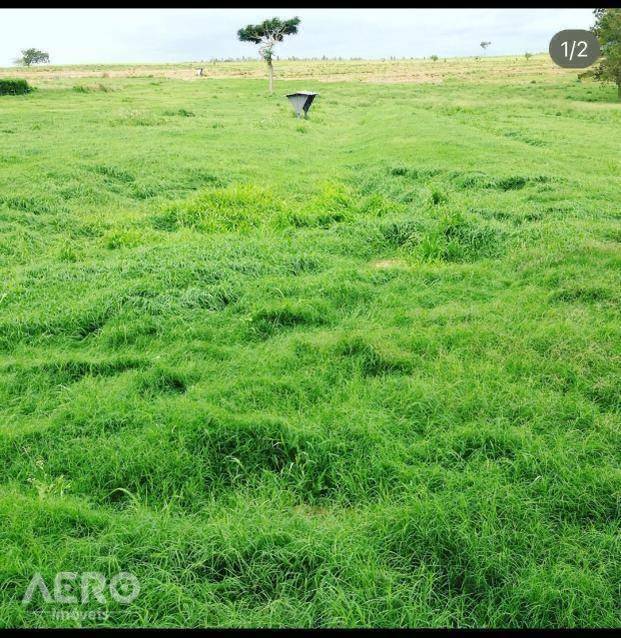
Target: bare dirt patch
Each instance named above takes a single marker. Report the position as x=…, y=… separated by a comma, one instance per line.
x=389, y=263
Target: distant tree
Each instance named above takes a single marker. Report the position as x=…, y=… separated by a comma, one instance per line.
x=528, y=55
x=484, y=46
x=607, y=28
x=434, y=58
x=32, y=56
x=267, y=35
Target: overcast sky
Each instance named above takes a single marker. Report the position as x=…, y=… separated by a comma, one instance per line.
x=73, y=36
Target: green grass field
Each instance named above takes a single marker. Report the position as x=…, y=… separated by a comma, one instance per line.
x=357, y=370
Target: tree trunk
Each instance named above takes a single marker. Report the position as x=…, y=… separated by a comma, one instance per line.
x=270, y=72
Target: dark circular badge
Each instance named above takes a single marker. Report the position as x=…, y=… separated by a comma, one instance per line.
x=574, y=48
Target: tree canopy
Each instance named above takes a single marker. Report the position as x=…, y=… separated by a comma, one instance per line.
x=273, y=30
x=607, y=28
x=33, y=56
x=268, y=34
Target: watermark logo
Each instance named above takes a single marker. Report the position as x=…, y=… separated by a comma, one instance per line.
x=71, y=588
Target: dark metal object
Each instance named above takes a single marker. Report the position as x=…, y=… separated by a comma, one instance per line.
x=301, y=101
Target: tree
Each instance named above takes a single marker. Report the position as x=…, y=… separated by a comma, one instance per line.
x=528, y=55
x=484, y=46
x=33, y=56
x=607, y=28
x=267, y=35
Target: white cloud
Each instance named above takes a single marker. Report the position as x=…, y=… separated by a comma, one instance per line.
x=74, y=36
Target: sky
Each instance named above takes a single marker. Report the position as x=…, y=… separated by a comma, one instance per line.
x=80, y=36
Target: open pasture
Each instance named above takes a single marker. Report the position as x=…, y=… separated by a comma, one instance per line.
x=355, y=370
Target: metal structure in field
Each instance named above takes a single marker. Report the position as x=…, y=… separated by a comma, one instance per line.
x=301, y=101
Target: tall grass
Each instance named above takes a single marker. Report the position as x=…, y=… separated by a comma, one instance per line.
x=360, y=375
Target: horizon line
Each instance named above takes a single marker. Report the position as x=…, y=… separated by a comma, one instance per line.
x=284, y=59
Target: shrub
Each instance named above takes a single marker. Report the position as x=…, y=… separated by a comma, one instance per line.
x=14, y=87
